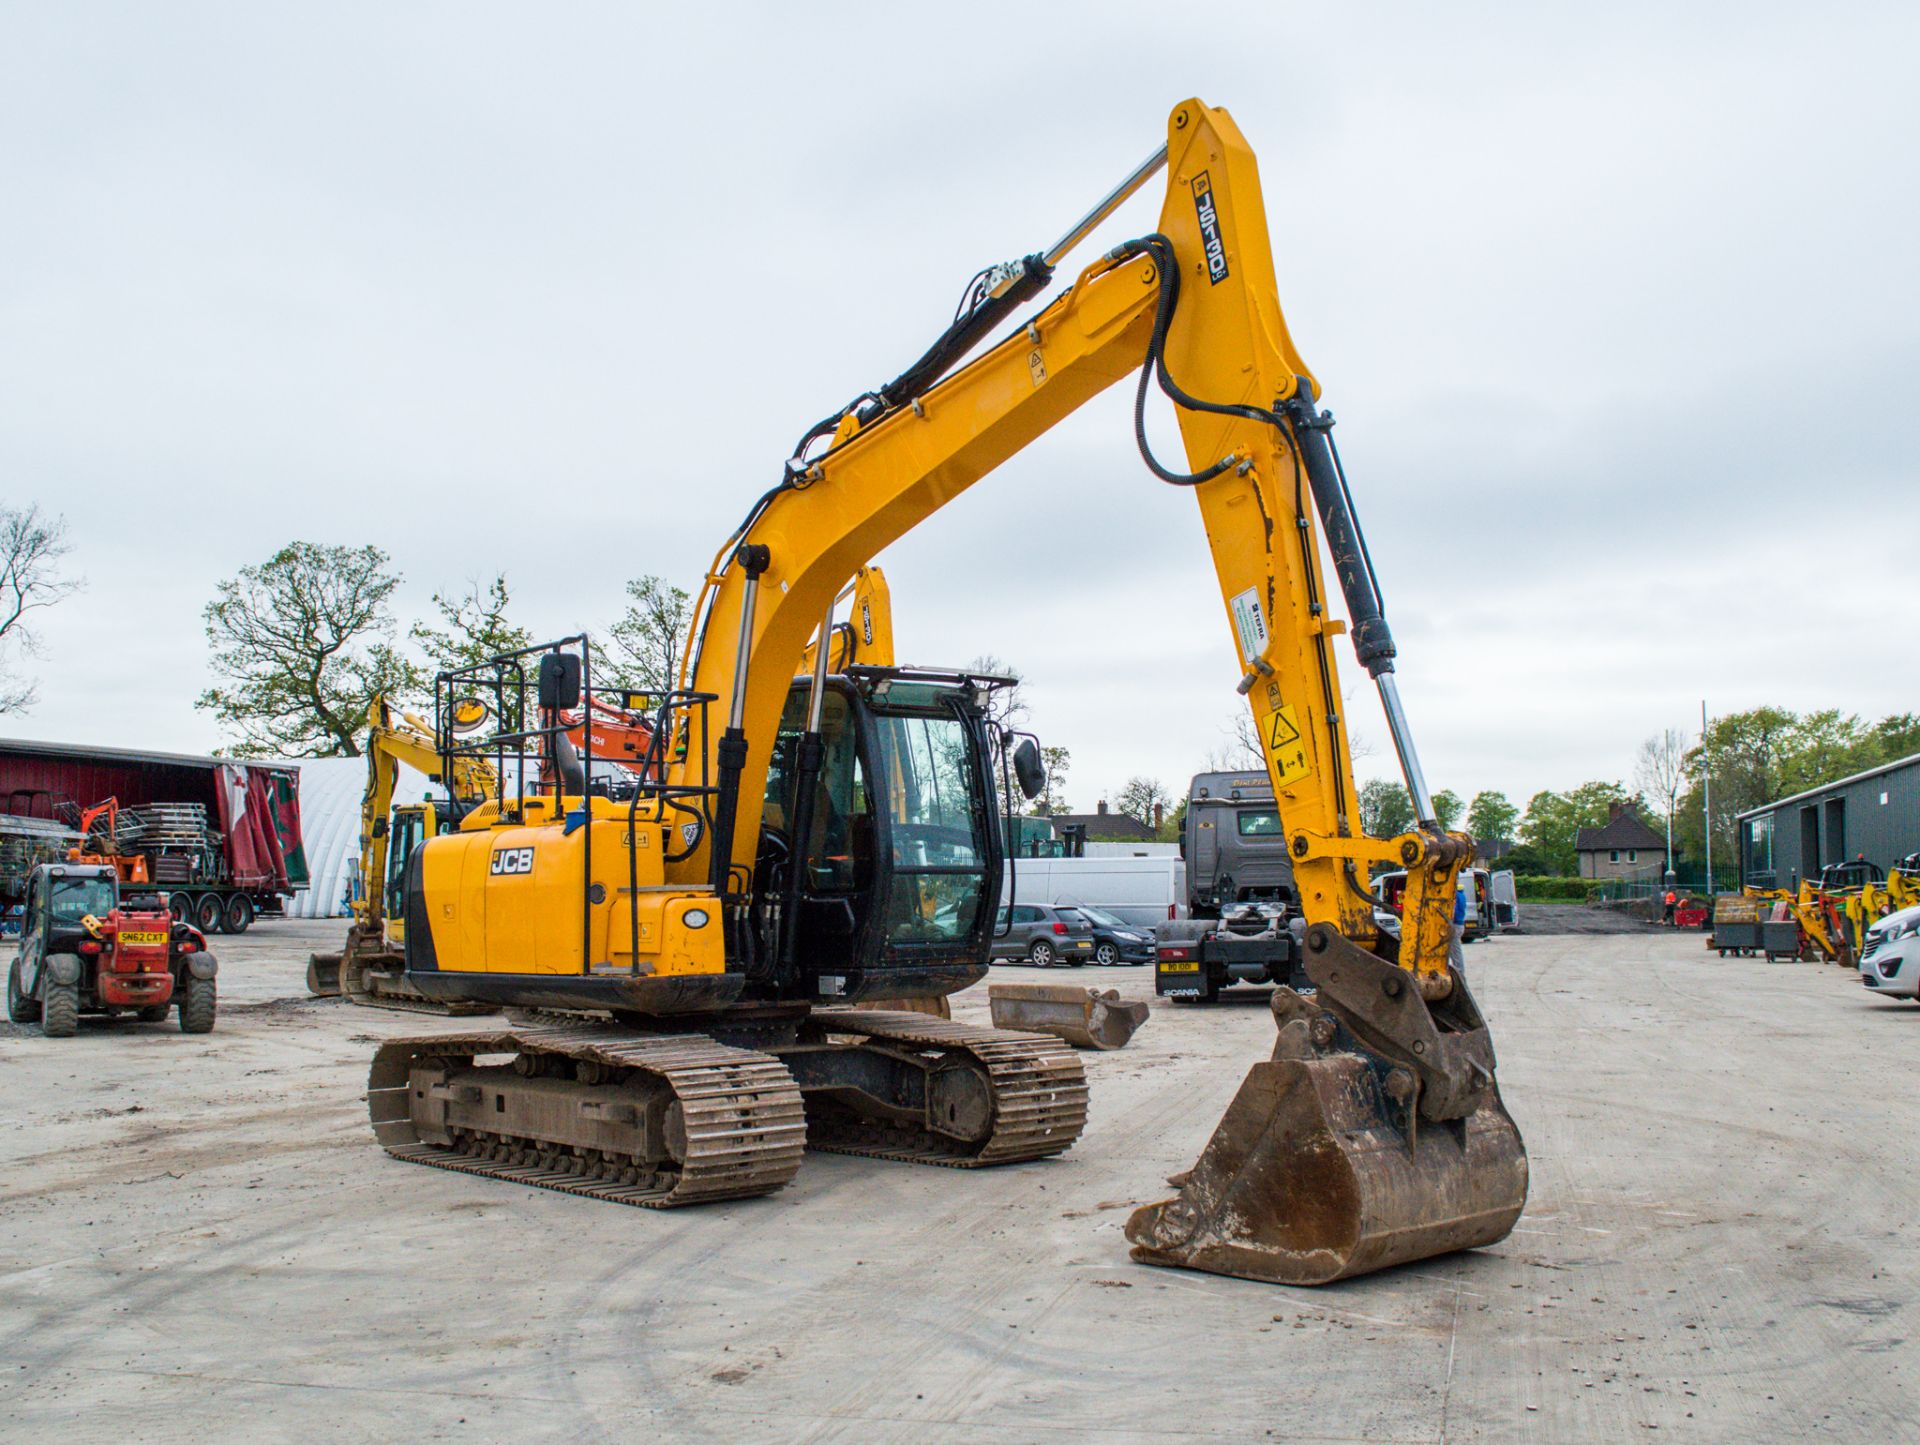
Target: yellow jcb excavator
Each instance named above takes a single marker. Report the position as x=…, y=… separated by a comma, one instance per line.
x=795, y=849
x=370, y=969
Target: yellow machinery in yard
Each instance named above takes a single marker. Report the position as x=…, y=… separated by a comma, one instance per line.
x=796, y=848
x=370, y=967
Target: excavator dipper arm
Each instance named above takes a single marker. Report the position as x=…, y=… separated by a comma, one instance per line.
x=1387, y=1070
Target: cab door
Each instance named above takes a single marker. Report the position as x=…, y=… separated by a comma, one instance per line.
x=1506, y=900
x=412, y=825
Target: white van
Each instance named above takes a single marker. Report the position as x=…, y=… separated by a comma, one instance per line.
x=1492, y=900
x=1143, y=891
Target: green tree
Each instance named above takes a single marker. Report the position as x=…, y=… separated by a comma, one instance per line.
x=644, y=645
x=1174, y=822
x=297, y=642
x=1140, y=796
x=1766, y=753
x=1491, y=816
x=473, y=627
x=1446, y=807
x=1385, y=808
x=1554, y=820
x=1053, y=802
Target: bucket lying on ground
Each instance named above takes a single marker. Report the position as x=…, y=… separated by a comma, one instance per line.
x=1084, y=1017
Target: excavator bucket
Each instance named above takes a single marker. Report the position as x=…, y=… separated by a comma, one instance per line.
x=1084, y=1017
x=323, y=974
x=1323, y=1168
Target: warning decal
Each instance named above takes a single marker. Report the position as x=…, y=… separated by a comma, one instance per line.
x=1287, y=748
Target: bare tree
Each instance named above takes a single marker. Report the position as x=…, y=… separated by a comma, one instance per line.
x=1140, y=796
x=1241, y=748
x=1660, y=772
x=645, y=643
x=31, y=580
x=1006, y=706
x=297, y=641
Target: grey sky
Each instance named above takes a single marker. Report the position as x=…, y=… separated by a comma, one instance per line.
x=1616, y=309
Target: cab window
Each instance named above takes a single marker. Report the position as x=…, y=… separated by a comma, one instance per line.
x=75, y=898
x=1259, y=823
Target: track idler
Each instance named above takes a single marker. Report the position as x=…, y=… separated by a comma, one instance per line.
x=1375, y=1136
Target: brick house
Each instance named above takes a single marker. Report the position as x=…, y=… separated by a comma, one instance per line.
x=1625, y=847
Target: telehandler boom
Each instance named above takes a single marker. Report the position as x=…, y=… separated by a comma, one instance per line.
x=798, y=848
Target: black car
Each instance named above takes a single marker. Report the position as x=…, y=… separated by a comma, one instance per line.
x=1114, y=939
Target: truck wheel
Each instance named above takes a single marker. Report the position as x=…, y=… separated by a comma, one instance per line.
x=20, y=1008
x=1106, y=955
x=239, y=914
x=180, y=905
x=208, y=914
x=1041, y=954
x=60, y=1010
x=197, y=1005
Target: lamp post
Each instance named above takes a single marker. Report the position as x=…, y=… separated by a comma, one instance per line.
x=1706, y=794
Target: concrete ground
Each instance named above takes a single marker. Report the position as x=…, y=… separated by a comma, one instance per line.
x=199, y=1240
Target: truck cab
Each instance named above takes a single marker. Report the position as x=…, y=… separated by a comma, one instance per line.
x=86, y=948
x=1233, y=844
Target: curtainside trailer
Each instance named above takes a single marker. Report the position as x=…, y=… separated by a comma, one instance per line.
x=219, y=836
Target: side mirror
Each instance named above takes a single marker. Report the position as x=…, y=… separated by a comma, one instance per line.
x=1030, y=772
x=560, y=680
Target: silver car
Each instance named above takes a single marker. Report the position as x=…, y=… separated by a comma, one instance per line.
x=1043, y=935
x=1890, y=963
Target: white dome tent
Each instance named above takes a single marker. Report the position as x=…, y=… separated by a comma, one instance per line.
x=330, y=794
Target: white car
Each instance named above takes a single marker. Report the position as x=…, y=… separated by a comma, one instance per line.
x=1890, y=963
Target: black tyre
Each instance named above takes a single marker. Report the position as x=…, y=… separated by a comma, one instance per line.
x=1040, y=954
x=1106, y=955
x=60, y=1010
x=197, y=1005
x=20, y=1008
x=239, y=914
x=180, y=905
x=208, y=913
x=155, y=1013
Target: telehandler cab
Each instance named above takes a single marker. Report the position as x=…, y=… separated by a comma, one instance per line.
x=89, y=946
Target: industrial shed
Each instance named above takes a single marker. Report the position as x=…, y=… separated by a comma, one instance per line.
x=1873, y=815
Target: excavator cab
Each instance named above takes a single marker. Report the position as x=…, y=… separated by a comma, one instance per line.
x=893, y=893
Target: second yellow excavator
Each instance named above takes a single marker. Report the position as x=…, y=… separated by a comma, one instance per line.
x=796, y=849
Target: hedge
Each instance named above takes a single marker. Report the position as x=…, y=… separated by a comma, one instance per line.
x=1532, y=889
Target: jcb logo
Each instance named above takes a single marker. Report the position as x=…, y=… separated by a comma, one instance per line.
x=509, y=861
x=1210, y=229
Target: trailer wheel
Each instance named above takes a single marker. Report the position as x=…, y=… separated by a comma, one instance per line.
x=239, y=914
x=197, y=1005
x=60, y=1010
x=21, y=1009
x=208, y=914
x=180, y=905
